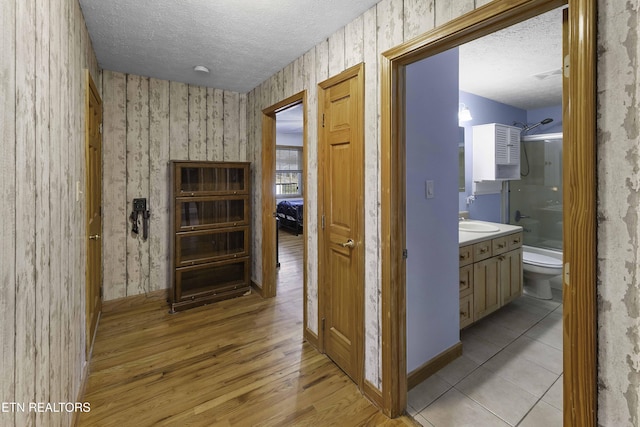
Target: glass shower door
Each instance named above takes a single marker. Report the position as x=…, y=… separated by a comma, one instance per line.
x=535, y=201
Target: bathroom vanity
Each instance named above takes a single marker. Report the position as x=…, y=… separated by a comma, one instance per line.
x=490, y=268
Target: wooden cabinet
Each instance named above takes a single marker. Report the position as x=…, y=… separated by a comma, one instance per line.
x=490, y=276
x=210, y=211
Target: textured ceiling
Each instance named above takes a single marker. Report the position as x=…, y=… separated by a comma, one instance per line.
x=244, y=42
x=518, y=66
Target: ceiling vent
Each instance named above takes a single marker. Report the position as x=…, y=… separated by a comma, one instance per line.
x=548, y=74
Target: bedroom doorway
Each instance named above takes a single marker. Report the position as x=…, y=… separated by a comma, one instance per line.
x=289, y=188
x=284, y=245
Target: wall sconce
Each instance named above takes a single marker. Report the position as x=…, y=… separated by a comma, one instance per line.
x=464, y=115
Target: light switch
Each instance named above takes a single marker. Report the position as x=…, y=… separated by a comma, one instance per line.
x=429, y=192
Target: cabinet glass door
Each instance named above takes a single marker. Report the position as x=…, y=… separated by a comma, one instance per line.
x=211, y=279
x=199, y=180
x=211, y=245
x=201, y=212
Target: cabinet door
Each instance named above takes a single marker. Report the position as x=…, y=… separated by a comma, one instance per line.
x=486, y=287
x=197, y=213
x=502, y=142
x=513, y=145
x=211, y=279
x=196, y=247
x=199, y=179
x=511, y=275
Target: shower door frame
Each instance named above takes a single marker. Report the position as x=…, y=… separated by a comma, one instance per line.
x=579, y=197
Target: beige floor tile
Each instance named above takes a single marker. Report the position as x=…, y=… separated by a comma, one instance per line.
x=455, y=409
x=544, y=355
x=422, y=421
x=554, y=396
x=457, y=370
x=558, y=310
x=493, y=332
x=501, y=397
x=478, y=349
x=548, y=331
x=522, y=372
x=543, y=304
x=426, y=392
x=516, y=319
x=543, y=414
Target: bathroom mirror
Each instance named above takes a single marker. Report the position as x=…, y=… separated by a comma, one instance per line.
x=461, y=160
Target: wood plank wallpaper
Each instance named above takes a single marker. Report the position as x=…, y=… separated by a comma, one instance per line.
x=148, y=122
x=44, y=51
x=382, y=27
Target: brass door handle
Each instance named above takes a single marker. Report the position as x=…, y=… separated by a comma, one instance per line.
x=348, y=244
x=94, y=237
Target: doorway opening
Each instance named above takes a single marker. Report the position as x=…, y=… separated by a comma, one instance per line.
x=289, y=183
x=579, y=180
x=292, y=181
x=499, y=328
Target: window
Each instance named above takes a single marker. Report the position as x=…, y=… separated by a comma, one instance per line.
x=288, y=172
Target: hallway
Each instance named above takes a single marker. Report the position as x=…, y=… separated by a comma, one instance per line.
x=239, y=362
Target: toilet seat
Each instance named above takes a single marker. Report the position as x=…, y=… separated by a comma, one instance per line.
x=541, y=260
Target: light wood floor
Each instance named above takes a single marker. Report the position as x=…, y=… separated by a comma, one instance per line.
x=239, y=362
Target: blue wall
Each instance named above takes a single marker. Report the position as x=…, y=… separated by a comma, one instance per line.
x=432, y=224
x=535, y=116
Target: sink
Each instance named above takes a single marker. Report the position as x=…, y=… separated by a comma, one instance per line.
x=477, y=227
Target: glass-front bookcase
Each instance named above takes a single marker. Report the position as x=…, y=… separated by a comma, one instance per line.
x=210, y=211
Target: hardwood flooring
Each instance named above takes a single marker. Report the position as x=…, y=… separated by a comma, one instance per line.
x=240, y=362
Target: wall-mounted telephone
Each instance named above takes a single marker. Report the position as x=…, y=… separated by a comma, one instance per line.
x=140, y=206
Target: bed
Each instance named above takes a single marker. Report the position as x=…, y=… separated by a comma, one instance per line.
x=290, y=214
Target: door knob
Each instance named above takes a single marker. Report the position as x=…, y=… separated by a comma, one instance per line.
x=348, y=244
x=94, y=237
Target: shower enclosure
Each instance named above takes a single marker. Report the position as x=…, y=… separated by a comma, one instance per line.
x=535, y=201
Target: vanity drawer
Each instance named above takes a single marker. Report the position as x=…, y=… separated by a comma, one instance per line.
x=499, y=245
x=466, y=280
x=466, y=311
x=514, y=240
x=466, y=255
x=481, y=251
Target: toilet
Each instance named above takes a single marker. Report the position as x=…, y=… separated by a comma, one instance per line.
x=539, y=267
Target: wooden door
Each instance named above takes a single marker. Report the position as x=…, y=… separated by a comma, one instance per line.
x=341, y=188
x=93, y=178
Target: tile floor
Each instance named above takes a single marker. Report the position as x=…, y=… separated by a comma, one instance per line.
x=509, y=374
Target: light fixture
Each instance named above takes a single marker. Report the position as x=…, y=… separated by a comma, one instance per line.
x=201, y=69
x=464, y=115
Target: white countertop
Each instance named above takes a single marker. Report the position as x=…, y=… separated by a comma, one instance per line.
x=469, y=237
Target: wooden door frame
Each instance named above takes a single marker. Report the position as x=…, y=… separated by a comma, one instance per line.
x=268, y=288
x=579, y=200
x=90, y=88
x=349, y=73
